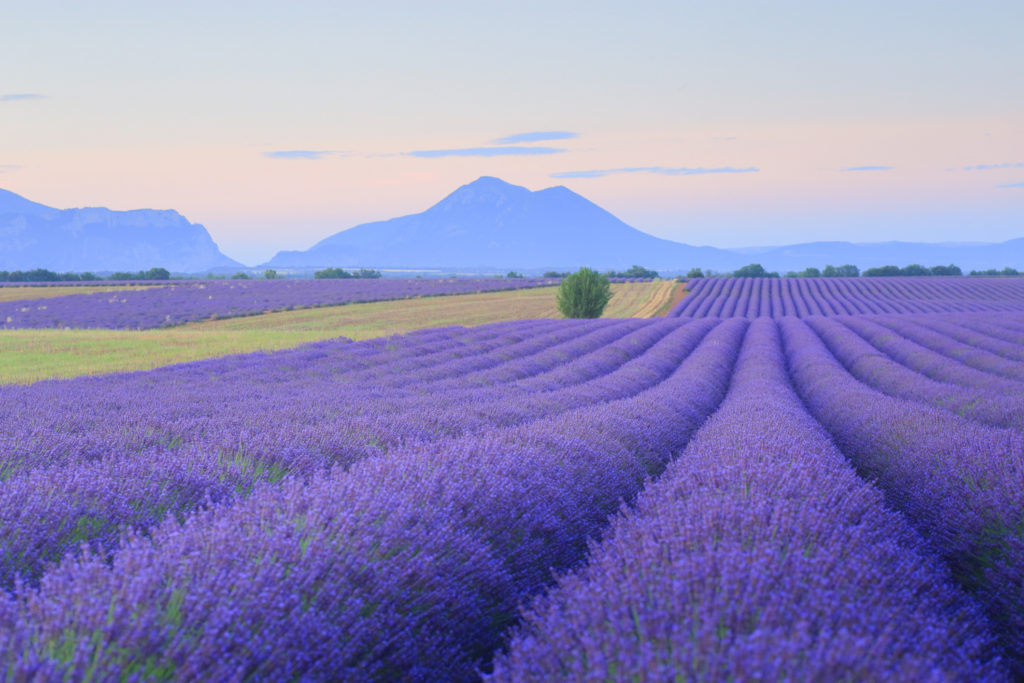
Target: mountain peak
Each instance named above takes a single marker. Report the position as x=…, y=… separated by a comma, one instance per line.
x=485, y=190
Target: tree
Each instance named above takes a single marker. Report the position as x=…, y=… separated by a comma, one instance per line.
x=847, y=270
x=269, y=274
x=947, y=270
x=753, y=270
x=695, y=272
x=240, y=276
x=513, y=275
x=583, y=294
x=882, y=271
x=555, y=273
x=914, y=269
x=331, y=274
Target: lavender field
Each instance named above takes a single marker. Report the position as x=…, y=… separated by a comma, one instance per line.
x=809, y=479
x=188, y=301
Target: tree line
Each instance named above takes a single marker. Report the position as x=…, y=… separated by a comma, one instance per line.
x=44, y=275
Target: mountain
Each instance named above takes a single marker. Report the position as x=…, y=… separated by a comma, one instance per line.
x=492, y=224
x=36, y=236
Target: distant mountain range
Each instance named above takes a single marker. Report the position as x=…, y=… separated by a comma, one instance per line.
x=486, y=225
x=492, y=224
x=93, y=239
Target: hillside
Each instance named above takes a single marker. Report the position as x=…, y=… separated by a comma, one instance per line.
x=96, y=239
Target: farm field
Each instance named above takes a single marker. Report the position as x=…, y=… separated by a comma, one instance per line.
x=29, y=293
x=804, y=480
x=28, y=355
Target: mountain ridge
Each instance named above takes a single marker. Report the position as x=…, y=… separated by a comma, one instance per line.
x=34, y=235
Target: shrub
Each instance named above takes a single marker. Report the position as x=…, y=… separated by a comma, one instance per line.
x=583, y=294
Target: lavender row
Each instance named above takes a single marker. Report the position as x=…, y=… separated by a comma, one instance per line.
x=759, y=555
x=91, y=500
x=244, y=403
x=803, y=297
x=405, y=566
x=927, y=361
x=877, y=370
x=976, y=332
x=960, y=483
x=182, y=302
x=969, y=355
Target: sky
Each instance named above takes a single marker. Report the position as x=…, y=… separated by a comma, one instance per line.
x=276, y=124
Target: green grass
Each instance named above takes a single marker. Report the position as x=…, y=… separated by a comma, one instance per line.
x=31, y=355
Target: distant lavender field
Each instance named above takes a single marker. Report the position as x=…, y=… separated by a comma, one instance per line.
x=811, y=497
x=750, y=298
x=183, y=302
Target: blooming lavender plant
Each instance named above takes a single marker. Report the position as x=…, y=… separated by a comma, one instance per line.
x=759, y=555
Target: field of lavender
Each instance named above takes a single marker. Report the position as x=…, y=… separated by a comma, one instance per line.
x=188, y=301
x=811, y=481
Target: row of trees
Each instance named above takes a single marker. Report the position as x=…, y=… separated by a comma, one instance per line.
x=342, y=274
x=914, y=269
x=44, y=275
x=632, y=272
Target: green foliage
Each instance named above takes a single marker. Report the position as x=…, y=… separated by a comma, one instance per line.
x=634, y=272
x=583, y=294
x=947, y=270
x=151, y=274
x=847, y=270
x=992, y=272
x=240, y=276
x=917, y=270
x=514, y=275
x=555, y=273
x=341, y=274
x=332, y=274
x=753, y=270
x=695, y=272
x=269, y=274
x=882, y=271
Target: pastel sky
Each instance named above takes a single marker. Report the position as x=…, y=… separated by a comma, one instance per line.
x=275, y=124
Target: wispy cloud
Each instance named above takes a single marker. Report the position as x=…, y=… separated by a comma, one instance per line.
x=18, y=96
x=868, y=168
x=537, y=136
x=300, y=154
x=989, y=167
x=1009, y=185
x=661, y=170
x=484, y=152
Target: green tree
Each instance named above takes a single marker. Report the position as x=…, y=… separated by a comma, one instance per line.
x=695, y=272
x=240, y=276
x=882, y=271
x=515, y=275
x=753, y=270
x=331, y=274
x=269, y=274
x=583, y=294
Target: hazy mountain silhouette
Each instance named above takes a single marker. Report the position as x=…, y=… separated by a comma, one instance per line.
x=36, y=236
x=491, y=223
